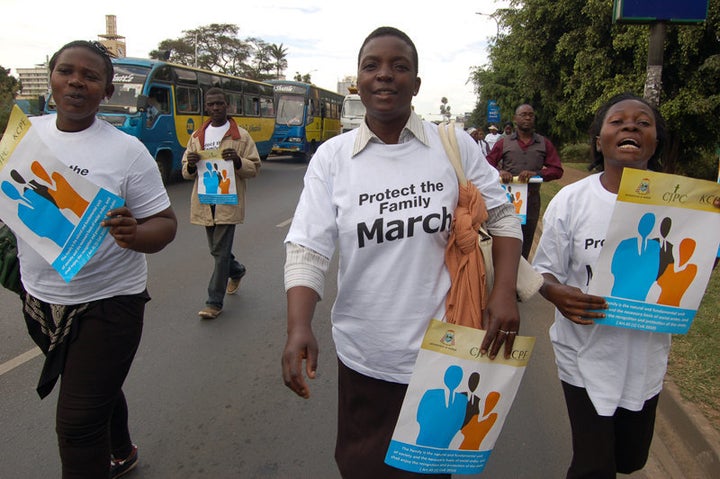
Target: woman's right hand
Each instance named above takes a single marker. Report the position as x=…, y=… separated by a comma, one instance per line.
x=578, y=307
x=300, y=346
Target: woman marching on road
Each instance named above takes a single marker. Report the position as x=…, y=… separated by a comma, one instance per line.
x=392, y=279
x=90, y=328
x=611, y=377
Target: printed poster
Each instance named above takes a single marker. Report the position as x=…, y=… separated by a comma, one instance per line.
x=51, y=207
x=517, y=193
x=659, y=251
x=217, y=179
x=456, y=402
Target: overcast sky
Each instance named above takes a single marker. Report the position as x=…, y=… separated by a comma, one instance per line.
x=322, y=37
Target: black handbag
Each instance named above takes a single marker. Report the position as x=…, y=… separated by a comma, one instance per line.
x=9, y=264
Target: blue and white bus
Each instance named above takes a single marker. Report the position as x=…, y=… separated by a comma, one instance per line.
x=307, y=115
x=162, y=104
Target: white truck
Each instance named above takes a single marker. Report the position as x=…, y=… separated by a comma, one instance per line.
x=353, y=112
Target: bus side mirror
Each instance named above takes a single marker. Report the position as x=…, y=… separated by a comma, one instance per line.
x=142, y=102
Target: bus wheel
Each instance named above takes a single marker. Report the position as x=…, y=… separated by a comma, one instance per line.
x=165, y=167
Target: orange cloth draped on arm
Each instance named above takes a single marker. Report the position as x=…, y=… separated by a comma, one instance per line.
x=466, y=299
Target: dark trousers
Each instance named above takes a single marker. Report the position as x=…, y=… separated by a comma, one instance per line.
x=606, y=445
x=220, y=240
x=92, y=416
x=368, y=409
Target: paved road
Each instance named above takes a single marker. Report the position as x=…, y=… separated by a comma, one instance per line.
x=206, y=397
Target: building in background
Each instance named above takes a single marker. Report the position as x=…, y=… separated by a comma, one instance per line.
x=113, y=42
x=36, y=80
x=345, y=85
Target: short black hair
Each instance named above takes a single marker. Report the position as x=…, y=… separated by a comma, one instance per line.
x=391, y=32
x=215, y=91
x=597, y=123
x=95, y=47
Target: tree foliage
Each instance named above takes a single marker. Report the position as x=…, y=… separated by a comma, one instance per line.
x=566, y=57
x=445, y=108
x=9, y=88
x=217, y=47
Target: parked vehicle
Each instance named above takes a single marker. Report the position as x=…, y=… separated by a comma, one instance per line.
x=307, y=115
x=353, y=112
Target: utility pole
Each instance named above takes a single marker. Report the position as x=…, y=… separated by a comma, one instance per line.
x=656, y=49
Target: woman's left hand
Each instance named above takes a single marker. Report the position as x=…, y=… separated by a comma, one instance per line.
x=502, y=324
x=123, y=226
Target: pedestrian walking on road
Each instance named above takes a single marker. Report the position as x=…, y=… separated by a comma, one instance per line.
x=611, y=377
x=90, y=328
x=389, y=285
x=492, y=137
x=525, y=154
x=239, y=152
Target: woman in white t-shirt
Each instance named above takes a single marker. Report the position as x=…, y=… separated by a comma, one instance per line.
x=611, y=377
x=90, y=328
x=384, y=195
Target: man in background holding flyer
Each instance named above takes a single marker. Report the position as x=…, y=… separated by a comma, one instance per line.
x=526, y=154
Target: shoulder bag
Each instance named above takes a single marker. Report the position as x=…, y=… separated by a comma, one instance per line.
x=529, y=281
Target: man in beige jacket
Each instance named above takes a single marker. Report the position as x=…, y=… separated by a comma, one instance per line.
x=235, y=144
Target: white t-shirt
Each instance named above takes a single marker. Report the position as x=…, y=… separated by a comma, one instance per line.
x=122, y=165
x=491, y=139
x=618, y=367
x=214, y=135
x=389, y=209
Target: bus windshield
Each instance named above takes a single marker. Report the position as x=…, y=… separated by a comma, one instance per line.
x=290, y=110
x=128, y=81
x=353, y=108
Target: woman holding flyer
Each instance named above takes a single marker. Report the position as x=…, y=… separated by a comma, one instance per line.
x=611, y=377
x=90, y=328
x=391, y=282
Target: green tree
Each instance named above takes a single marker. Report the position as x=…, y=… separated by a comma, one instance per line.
x=305, y=77
x=445, y=108
x=260, y=66
x=213, y=47
x=566, y=57
x=9, y=88
x=278, y=54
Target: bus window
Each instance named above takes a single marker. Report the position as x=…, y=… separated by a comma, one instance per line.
x=187, y=100
x=234, y=103
x=158, y=103
x=252, y=106
x=267, y=109
x=290, y=110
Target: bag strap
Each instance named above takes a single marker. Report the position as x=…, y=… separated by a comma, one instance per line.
x=452, y=149
x=449, y=141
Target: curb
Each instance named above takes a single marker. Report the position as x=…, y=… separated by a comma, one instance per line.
x=687, y=423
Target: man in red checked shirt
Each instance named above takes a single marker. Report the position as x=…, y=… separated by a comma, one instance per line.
x=526, y=154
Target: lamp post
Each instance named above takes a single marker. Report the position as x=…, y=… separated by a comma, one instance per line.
x=497, y=24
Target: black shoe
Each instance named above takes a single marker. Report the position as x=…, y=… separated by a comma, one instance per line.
x=120, y=467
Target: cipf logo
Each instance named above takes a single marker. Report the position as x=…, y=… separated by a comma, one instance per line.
x=675, y=196
x=643, y=188
x=448, y=338
x=190, y=126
